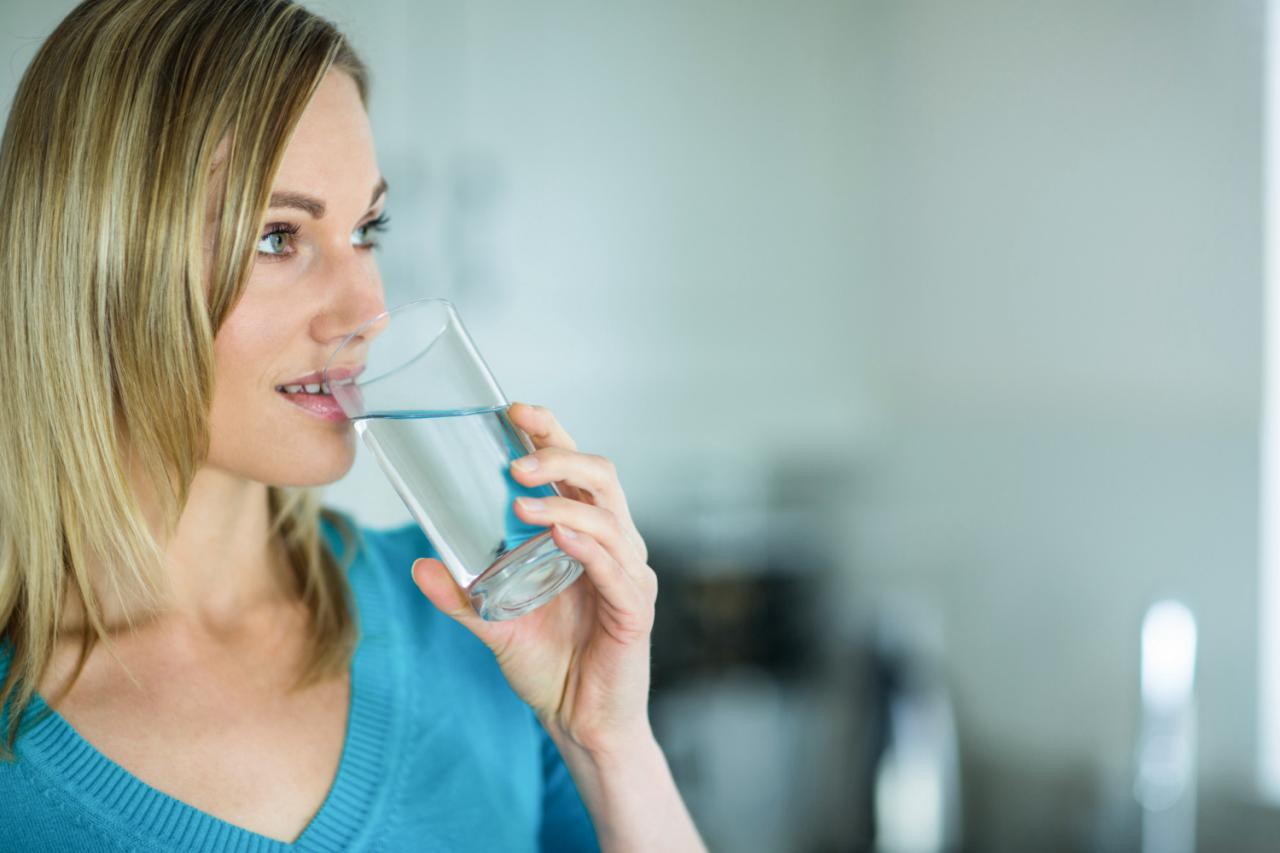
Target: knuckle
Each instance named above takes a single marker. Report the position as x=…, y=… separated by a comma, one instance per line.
x=605, y=469
x=615, y=524
x=552, y=457
x=608, y=524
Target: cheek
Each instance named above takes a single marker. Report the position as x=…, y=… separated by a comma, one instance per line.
x=245, y=355
x=257, y=433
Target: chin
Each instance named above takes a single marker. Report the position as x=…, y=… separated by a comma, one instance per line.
x=313, y=476
x=296, y=461
x=322, y=466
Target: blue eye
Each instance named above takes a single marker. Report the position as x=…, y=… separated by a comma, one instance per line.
x=277, y=239
x=362, y=236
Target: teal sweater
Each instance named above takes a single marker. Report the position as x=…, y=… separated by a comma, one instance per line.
x=440, y=752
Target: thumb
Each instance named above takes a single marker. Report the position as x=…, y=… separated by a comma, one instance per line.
x=435, y=582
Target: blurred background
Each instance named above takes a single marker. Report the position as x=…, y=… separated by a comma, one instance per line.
x=929, y=340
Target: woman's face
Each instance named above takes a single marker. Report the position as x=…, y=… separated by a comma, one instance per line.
x=313, y=282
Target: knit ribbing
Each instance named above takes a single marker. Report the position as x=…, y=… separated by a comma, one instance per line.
x=54, y=754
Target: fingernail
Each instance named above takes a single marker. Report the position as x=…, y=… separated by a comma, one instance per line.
x=566, y=532
x=526, y=463
x=531, y=504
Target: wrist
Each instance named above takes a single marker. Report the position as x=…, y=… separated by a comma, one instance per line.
x=627, y=787
x=604, y=750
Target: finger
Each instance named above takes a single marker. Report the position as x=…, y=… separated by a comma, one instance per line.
x=586, y=472
x=433, y=579
x=629, y=607
x=600, y=524
x=543, y=430
x=549, y=436
x=540, y=425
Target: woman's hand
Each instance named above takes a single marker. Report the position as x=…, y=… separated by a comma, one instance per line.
x=581, y=660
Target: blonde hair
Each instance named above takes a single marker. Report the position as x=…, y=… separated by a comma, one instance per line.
x=106, y=336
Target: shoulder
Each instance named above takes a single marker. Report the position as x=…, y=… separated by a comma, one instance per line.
x=348, y=539
x=378, y=562
x=389, y=603
x=381, y=555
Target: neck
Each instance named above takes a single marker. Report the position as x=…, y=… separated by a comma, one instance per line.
x=220, y=561
x=219, y=564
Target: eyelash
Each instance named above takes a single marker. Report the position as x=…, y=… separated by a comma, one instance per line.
x=377, y=226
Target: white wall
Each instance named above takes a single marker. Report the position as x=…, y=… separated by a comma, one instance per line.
x=24, y=24
x=1068, y=294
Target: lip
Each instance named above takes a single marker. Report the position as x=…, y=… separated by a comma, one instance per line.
x=337, y=373
x=317, y=377
x=322, y=406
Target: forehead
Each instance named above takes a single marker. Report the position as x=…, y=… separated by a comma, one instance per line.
x=331, y=153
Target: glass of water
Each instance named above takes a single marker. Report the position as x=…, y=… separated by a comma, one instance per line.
x=429, y=409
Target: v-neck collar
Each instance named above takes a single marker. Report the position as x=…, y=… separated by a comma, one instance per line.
x=50, y=747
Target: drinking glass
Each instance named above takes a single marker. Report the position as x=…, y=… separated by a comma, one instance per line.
x=426, y=404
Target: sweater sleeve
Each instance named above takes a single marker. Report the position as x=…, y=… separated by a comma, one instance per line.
x=566, y=824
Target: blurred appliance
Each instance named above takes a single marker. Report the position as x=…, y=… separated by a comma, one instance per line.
x=915, y=770
x=1165, y=783
x=790, y=722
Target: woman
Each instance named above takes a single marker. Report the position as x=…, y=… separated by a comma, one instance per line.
x=194, y=654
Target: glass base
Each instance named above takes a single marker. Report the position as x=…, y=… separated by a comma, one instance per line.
x=523, y=580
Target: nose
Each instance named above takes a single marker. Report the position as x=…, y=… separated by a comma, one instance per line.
x=356, y=296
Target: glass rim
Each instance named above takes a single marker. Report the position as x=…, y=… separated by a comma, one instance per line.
x=414, y=303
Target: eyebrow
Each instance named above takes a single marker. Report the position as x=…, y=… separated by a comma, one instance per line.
x=314, y=206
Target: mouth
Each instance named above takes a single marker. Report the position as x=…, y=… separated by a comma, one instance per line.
x=323, y=406
x=316, y=388
x=312, y=395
